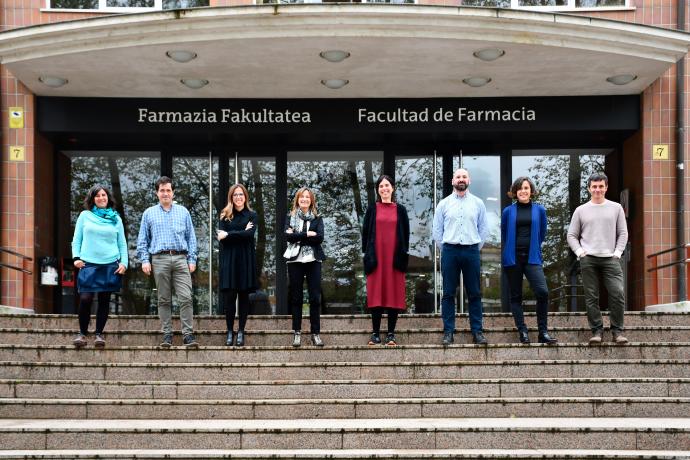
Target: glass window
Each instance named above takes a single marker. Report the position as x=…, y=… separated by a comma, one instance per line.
x=129, y=3
x=176, y=4
x=560, y=177
x=414, y=177
x=74, y=4
x=195, y=191
x=485, y=183
x=343, y=183
x=487, y=3
x=259, y=176
x=130, y=176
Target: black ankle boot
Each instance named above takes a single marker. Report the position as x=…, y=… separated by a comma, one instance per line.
x=240, y=339
x=228, y=339
x=524, y=337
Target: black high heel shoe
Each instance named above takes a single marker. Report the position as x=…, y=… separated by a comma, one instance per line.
x=544, y=337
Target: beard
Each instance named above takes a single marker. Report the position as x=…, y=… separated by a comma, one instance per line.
x=460, y=186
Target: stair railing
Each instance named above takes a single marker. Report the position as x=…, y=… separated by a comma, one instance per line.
x=26, y=271
x=654, y=270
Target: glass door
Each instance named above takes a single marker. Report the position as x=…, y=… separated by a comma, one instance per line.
x=344, y=186
x=419, y=189
x=196, y=183
x=485, y=183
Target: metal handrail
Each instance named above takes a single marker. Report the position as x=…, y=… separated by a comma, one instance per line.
x=9, y=251
x=682, y=246
x=12, y=267
x=655, y=268
x=25, y=287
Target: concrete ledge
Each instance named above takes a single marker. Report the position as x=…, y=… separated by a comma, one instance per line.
x=6, y=310
x=675, y=307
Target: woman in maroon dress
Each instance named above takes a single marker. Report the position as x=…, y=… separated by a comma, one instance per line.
x=385, y=242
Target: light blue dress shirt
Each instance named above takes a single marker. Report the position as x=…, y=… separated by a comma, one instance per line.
x=163, y=230
x=460, y=220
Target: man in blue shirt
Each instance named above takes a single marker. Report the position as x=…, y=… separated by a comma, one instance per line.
x=460, y=229
x=167, y=246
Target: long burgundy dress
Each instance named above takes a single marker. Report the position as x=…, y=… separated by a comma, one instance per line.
x=386, y=285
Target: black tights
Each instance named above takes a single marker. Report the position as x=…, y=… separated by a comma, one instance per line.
x=377, y=313
x=85, y=301
x=228, y=297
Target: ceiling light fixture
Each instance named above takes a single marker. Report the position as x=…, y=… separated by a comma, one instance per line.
x=194, y=83
x=335, y=83
x=622, y=79
x=181, y=56
x=334, y=55
x=53, y=82
x=489, y=54
x=476, y=82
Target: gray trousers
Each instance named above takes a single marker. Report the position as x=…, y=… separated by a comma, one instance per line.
x=609, y=269
x=173, y=271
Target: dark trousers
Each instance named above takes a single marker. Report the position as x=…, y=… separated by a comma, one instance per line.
x=85, y=301
x=611, y=273
x=537, y=281
x=377, y=314
x=296, y=273
x=456, y=258
x=228, y=298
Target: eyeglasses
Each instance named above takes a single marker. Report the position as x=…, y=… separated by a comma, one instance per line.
x=237, y=194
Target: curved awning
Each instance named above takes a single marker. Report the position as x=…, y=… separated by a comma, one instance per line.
x=272, y=51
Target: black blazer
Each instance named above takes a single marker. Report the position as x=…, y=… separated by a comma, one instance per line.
x=237, y=260
x=301, y=238
x=402, y=245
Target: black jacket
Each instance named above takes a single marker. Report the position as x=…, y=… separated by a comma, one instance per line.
x=400, y=258
x=237, y=253
x=301, y=238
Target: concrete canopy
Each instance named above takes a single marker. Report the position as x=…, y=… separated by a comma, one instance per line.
x=272, y=51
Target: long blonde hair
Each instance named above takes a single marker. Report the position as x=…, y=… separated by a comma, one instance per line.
x=312, y=205
x=228, y=212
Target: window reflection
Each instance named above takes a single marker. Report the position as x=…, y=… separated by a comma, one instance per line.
x=344, y=186
x=561, y=180
x=130, y=176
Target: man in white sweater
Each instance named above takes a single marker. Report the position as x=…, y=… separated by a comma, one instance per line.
x=598, y=235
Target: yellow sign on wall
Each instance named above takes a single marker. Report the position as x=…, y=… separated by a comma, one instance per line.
x=16, y=117
x=17, y=153
x=660, y=152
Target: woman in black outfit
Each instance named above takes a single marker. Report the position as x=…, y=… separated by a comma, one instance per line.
x=304, y=233
x=237, y=259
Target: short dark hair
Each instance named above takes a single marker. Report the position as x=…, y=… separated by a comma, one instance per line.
x=596, y=177
x=89, y=201
x=381, y=178
x=517, y=185
x=164, y=180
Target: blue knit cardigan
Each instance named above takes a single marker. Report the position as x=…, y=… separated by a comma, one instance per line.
x=509, y=231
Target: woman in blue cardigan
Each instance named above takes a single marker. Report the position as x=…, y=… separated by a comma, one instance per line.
x=99, y=250
x=523, y=229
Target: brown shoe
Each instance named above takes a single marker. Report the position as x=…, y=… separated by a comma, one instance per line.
x=596, y=337
x=619, y=338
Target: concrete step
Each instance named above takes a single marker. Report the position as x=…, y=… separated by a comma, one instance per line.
x=176, y=409
x=664, y=368
x=335, y=434
x=345, y=454
x=336, y=322
x=331, y=354
x=345, y=389
x=118, y=338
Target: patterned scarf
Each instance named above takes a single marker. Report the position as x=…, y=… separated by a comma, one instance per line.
x=108, y=214
x=298, y=223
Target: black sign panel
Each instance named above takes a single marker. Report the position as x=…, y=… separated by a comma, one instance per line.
x=120, y=115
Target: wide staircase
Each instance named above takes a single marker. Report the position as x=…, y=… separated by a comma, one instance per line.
x=417, y=400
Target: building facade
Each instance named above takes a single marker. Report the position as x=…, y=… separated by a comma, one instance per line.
x=277, y=96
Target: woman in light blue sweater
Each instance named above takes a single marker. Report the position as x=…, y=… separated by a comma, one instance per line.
x=99, y=250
